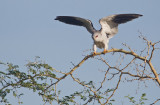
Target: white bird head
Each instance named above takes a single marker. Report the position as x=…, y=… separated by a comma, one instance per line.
x=97, y=36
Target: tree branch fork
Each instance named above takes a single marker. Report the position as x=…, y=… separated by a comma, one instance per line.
x=114, y=50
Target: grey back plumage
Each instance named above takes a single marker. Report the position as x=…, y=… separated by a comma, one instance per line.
x=109, y=24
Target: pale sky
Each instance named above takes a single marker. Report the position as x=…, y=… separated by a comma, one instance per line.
x=28, y=29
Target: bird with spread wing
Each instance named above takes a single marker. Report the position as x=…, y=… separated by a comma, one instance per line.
x=109, y=27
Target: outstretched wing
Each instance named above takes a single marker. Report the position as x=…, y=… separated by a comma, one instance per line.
x=110, y=24
x=77, y=21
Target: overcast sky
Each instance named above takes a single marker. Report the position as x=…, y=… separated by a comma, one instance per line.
x=28, y=29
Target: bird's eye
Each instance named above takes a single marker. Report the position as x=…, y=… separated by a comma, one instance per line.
x=96, y=36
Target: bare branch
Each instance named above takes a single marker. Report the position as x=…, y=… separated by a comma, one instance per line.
x=155, y=102
x=111, y=50
x=114, y=89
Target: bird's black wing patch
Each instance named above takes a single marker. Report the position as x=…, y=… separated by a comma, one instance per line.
x=123, y=18
x=70, y=20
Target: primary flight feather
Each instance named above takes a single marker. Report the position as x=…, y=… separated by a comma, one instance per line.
x=109, y=27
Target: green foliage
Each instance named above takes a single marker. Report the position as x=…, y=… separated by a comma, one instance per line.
x=37, y=78
x=34, y=78
x=141, y=100
x=86, y=96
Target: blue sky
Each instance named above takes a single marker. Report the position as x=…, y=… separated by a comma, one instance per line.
x=28, y=29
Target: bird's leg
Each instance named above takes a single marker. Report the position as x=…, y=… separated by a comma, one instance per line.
x=94, y=49
x=106, y=47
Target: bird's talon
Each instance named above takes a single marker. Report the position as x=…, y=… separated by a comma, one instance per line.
x=105, y=51
x=94, y=53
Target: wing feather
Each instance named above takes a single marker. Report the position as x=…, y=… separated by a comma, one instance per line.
x=77, y=21
x=123, y=18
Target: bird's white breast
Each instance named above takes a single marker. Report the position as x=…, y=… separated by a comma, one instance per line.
x=101, y=40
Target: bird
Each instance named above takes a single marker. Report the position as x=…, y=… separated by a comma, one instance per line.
x=109, y=27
